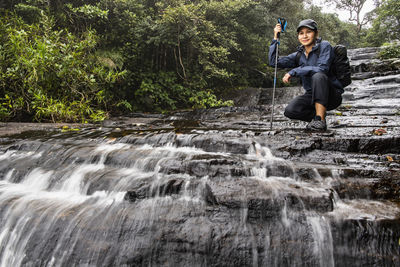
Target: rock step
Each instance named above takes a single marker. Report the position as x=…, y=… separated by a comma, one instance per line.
x=380, y=236
x=225, y=236
x=362, y=53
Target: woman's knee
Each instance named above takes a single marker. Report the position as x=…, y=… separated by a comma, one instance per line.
x=292, y=112
x=319, y=77
x=291, y=109
x=289, y=114
x=296, y=115
x=296, y=108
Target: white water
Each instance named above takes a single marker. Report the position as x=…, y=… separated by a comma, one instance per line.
x=61, y=207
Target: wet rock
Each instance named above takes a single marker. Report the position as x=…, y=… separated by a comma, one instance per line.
x=355, y=188
x=363, y=75
x=215, y=144
x=168, y=188
x=209, y=196
x=358, y=242
x=390, y=144
x=131, y=196
x=171, y=187
x=386, y=188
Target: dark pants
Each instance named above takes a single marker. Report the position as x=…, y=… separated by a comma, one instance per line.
x=303, y=107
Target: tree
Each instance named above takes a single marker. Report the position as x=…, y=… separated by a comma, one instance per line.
x=354, y=7
x=332, y=29
x=385, y=28
x=389, y=19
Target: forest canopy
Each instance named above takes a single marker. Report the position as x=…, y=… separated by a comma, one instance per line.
x=84, y=60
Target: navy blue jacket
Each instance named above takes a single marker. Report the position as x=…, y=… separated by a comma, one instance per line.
x=308, y=66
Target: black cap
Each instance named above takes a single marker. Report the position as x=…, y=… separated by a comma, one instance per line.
x=309, y=23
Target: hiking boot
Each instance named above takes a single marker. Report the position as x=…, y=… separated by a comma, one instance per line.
x=316, y=125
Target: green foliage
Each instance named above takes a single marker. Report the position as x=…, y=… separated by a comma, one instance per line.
x=9, y=106
x=110, y=58
x=88, y=11
x=390, y=51
x=190, y=38
x=385, y=28
x=389, y=16
x=64, y=111
x=80, y=60
x=83, y=17
x=28, y=12
x=206, y=99
x=54, y=72
x=161, y=92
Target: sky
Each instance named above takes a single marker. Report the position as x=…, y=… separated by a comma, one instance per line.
x=343, y=15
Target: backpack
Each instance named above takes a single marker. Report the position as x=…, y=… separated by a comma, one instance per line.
x=340, y=66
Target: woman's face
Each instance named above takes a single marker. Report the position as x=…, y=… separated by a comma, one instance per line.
x=306, y=36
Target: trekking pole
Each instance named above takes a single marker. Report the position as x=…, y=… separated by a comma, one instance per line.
x=283, y=23
x=273, y=91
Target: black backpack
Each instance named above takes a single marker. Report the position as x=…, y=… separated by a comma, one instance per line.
x=340, y=66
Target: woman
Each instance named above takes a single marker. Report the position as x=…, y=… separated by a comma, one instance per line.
x=322, y=90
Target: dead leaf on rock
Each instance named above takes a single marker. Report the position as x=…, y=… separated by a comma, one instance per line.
x=379, y=131
x=389, y=158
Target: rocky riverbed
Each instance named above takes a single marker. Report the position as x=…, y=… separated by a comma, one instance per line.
x=215, y=187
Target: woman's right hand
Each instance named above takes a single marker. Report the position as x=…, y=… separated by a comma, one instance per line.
x=286, y=78
x=277, y=29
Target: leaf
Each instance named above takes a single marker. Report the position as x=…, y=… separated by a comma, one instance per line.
x=68, y=129
x=379, y=132
x=389, y=158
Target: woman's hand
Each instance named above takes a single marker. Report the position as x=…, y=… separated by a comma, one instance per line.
x=286, y=78
x=277, y=29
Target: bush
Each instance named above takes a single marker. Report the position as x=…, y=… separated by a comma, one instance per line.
x=54, y=74
x=206, y=99
x=390, y=51
x=160, y=91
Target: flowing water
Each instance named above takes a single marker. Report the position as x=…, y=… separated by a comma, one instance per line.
x=166, y=199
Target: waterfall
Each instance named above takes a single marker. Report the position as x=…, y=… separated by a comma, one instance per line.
x=66, y=204
x=162, y=199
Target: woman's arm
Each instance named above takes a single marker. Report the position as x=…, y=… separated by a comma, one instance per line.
x=283, y=62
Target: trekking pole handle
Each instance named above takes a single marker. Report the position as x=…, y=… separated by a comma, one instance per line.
x=283, y=23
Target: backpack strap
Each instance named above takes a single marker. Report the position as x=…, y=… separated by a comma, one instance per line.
x=297, y=59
